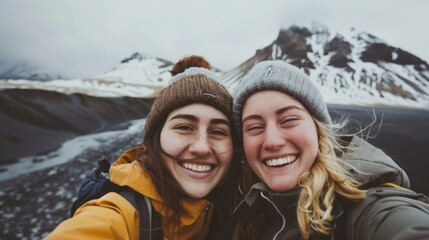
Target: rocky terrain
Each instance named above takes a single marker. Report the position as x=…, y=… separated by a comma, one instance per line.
x=32, y=205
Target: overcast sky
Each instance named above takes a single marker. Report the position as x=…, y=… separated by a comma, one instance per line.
x=84, y=38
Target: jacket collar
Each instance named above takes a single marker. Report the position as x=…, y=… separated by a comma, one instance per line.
x=125, y=171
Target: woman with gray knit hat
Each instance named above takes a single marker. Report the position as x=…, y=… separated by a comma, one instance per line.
x=303, y=179
x=184, y=169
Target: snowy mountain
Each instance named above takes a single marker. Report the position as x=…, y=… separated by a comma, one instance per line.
x=139, y=76
x=350, y=68
x=53, y=131
x=12, y=70
x=139, y=69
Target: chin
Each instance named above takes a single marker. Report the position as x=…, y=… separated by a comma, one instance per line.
x=197, y=195
x=281, y=187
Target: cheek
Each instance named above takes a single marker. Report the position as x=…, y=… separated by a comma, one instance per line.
x=250, y=148
x=224, y=150
x=163, y=138
x=171, y=143
x=308, y=139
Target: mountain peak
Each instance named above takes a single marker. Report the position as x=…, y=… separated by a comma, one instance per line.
x=22, y=70
x=354, y=67
x=136, y=56
x=142, y=56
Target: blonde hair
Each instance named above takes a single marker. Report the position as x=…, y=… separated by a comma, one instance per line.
x=326, y=179
x=320, y=186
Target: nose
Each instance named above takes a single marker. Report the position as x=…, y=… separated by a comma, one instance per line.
x=273, y=139
x=200, y=146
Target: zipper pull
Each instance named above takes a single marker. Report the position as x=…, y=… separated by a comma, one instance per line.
x=206, y=210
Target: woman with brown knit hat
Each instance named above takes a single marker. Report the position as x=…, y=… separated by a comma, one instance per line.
x=185, y=166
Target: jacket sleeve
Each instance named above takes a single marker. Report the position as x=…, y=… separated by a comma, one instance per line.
x=109, y=217
x=390, y=213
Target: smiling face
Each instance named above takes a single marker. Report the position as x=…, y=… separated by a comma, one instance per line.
x=197, y=138
x=280, y=139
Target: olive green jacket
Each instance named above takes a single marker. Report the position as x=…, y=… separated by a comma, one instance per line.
x=387, y=212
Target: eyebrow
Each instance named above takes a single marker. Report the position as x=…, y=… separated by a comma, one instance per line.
x=287, y=108
x=278, y=112
x=195, y=119
x=184, y=116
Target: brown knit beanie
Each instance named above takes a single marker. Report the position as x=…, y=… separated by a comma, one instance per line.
x=192, y=82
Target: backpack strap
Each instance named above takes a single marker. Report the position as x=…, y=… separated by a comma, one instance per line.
x=150, y=221
x=95, y=184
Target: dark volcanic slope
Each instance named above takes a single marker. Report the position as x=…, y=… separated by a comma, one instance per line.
x=35, y=121
x=401, y=133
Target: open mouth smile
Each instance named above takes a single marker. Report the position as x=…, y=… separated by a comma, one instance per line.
x=196, y=167
x=281, y=161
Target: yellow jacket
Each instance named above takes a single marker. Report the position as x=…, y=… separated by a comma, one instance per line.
x=113, y=217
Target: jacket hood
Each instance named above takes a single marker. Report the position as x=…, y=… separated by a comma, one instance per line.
x=373, y=166
x=126, y=171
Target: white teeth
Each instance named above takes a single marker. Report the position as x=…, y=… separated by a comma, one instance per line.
x=196, y=167
x=280, y=161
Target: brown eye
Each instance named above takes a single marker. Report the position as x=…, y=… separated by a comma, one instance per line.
x=218, y=132
x=184, y=128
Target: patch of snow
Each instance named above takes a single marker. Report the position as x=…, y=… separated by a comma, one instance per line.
x=394, y=55
x=276, y=52
x=92, y=87
x=60, y=205
x=149, y=71
x=52, y=172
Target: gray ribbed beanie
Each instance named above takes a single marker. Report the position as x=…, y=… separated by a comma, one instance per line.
x=283, y=77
